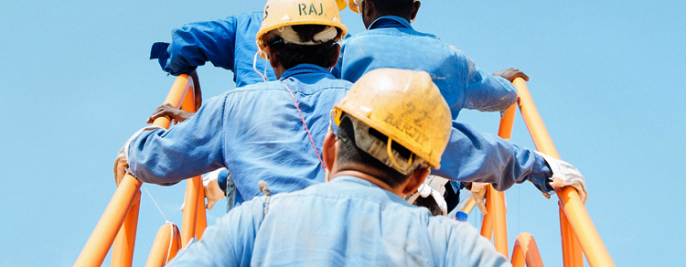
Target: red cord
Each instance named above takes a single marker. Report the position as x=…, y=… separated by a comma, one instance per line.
x=304, y=123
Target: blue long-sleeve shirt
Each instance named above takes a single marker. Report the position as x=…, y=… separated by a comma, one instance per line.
x=346, y=222
x=257, y=133
x=254, y=131
x=228, y=43
x=391, y=42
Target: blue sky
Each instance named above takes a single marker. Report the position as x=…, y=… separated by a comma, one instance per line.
x=607, y=77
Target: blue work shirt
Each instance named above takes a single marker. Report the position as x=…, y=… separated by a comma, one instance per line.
x=391, y=42
x=228, y=43
x=345, y=222
x=257, y=134
x=254, y=131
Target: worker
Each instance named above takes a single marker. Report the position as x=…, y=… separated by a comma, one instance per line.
x=391, y=42
x=388, y=140
x=228, y=43
x=264, y=130
x=255, y=133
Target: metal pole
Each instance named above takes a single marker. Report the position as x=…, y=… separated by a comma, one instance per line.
x=167, y=244
x=526, y=251
x=593, y=247
x=122, y=250
x=100, y=241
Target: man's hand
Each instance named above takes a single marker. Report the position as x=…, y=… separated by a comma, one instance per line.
x=212, y=190
x=479, y=194
x=120, y=165
x=564, y=174
x=167, y=110
x=510, y=74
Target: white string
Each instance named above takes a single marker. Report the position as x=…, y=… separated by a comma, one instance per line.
x=171, y=239
x=171, y=229
x=158, y=207
x=254, y=66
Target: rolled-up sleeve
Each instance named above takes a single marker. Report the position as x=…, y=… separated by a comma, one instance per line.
x=474, y=157
x=186, y=150
x=199, y=42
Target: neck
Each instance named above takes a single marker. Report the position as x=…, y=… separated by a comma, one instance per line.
x=371, y=179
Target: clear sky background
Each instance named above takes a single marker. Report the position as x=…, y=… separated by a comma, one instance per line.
x=607, y=77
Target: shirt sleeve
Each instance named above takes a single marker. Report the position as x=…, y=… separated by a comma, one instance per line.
x=474, y=157
x=186, y=150
x=229, y=242
x=196, y=43
x=462, y=245
x=483, y=91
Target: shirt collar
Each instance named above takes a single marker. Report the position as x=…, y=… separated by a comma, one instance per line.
x=363, y=182
x=390, y=22
x=304, y=69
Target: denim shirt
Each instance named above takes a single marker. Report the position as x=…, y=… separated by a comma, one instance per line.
x=390, y=42
x=345, y=222
x=228, y=43
x=254, y=131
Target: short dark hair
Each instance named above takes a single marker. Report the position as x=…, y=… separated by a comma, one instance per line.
x=348, y=152
x=291, y=55
x=400, y=8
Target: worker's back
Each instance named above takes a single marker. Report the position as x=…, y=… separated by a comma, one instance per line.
x=392, y=43
x=255, y=131
x=346, y=222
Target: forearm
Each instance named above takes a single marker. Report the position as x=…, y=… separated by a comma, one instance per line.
x=490, y=93
x=185, y=150
x=158, y=159
x=474, y=157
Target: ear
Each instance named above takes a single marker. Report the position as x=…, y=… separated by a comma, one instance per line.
x=415, y=180
x=368, y=9
x=337, y=48
x=329, y=150
x=415, y=9
x=272, y=57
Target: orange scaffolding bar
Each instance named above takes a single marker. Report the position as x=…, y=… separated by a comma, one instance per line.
x=167, y=244
x=498, y=197
x=111, y=221
x=122, y=250
x=525, y=251
x=579, y=220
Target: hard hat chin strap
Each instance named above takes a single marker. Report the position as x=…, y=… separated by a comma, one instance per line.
x=254, y=64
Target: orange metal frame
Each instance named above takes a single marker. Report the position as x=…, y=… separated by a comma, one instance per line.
x=579, y=236
x=121, y=215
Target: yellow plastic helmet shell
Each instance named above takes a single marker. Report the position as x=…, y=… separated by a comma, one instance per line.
x=341, y=4
x=282, y=13
x=352, y=4
x=404, y=105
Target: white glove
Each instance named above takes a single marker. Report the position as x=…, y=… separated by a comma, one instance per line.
x=212, y=190
x=564, y=174
x=426, y=191
x=479, y=194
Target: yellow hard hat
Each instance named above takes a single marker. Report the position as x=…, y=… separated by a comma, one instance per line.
x=405, y=106
x=282, y=13
x=354, y=5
